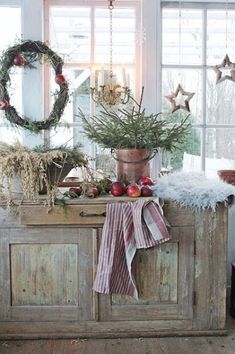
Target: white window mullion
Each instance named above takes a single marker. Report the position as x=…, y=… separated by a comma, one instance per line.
x=92, y=55
x=32, y=83
x=151, y=13
x=204, y=90
x=151, y=73
x=92, y=60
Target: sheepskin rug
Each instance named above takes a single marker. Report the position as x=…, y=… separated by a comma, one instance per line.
x=193, y=190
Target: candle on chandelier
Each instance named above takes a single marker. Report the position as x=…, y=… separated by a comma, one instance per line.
x=128, y=80
x=92, y=80
x=102, y=76
x=124, y=77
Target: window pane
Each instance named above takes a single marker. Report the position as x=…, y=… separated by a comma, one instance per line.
x=188, y=157
x=12, y=28
x=186, y=31
x=123, y=36
x=220, y=150
x=105, y=163
x=217, y=37
x=220, y=105
x=191, y=81
x=70, y=136
x=10, y=134
x=70, y=33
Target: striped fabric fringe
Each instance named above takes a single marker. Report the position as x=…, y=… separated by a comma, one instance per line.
x=128, y=227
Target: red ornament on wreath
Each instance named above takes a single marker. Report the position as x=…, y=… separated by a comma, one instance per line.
x=60, y=79
x=4, y=104
x=19, y=60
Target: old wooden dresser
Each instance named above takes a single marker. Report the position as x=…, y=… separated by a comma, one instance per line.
x=48, y=262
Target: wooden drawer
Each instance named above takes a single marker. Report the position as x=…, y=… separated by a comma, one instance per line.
x=69, y=215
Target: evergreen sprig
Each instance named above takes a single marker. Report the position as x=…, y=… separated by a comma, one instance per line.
x=133, y=129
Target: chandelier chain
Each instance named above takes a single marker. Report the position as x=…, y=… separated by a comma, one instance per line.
x=226, y=30
x=111, y=40
x=180, y=31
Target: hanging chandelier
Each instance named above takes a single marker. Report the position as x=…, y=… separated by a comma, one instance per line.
x=110, y=93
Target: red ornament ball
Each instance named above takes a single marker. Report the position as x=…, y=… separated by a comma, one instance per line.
x=60, y=79
x=4, y=104
x=19, y=60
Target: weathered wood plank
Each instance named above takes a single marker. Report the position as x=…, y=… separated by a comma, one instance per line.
x=44, y=274
x=185, y=271
x=210, y=270
x=5, y=295
x=89, y=329
x=85, y=275
x=120, y=346
x=156, y=271
x=178, y=216
x=95, y=248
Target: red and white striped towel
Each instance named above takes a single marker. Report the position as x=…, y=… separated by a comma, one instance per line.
x=128, y=227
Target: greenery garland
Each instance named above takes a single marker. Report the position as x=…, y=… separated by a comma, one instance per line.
x=25, y=54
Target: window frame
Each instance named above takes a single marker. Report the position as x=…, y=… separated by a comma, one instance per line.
x=97, y=4
x=92, y=4
x=204, y=6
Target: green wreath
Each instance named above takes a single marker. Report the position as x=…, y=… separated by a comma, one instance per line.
x=25, y=54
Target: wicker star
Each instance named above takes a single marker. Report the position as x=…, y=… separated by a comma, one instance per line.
x=173, y=96
x=226, y=64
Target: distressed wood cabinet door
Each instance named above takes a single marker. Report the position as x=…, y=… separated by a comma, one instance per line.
x=47, y=274
x=164, y=276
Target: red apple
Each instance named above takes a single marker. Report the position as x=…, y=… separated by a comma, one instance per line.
x=133, y=190
x=145, y=181
x=146, y=191
x=19, y=60
x=60, y=79
x=92, y=192
x=75, y=192
x=4, y=104
x=118, y=189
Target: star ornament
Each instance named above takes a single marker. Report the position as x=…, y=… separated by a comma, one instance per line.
x=225, y=66
x=186, y=96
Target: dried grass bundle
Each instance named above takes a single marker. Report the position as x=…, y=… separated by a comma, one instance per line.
x=32, y=168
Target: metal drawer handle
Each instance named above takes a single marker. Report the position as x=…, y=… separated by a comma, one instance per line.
x=85, y=214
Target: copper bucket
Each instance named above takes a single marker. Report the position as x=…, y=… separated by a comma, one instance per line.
x=132, y=164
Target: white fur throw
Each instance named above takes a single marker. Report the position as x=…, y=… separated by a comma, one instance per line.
x=193, y=190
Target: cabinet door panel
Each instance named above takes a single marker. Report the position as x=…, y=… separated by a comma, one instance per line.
x=158, y=263
x=49, y=274
x=164, y=278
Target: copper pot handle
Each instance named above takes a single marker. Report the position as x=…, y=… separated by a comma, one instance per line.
x=148, y=158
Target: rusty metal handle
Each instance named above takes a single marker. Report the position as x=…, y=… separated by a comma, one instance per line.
x=86, y=214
